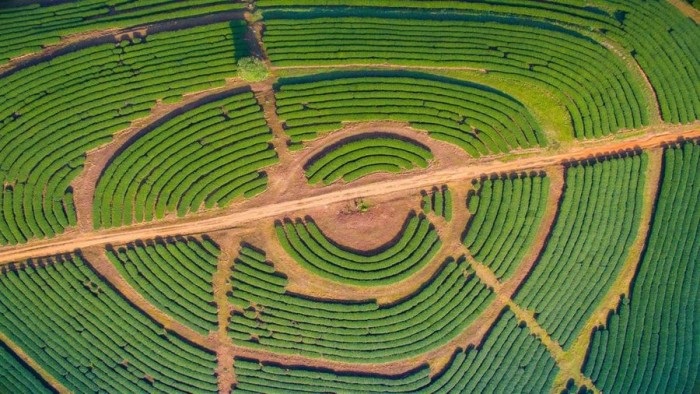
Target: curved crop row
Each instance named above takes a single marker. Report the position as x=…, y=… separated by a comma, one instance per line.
x=506, y=214
x=476, y=118
x=81, y=331
x=206, y=156
x=16, y=377
x=597, y=222
x=175, y=275
x=29, y=28
x=417, y=245
x=438, y=201
x=269, y=318
x=359, y=156
x=510, y=360
x=599, y=93
x=651, y=343
x=55, y=111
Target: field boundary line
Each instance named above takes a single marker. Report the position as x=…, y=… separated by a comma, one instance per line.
x=38, y=369
x=686, y=9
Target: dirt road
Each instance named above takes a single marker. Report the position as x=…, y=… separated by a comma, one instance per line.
x=197, y=224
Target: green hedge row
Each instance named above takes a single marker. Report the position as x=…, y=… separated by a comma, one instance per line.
x=598, y=91
x=175, y=275
x=17, y=377
x=417, y=245
x=28, y=28
x=203, y=158
x=55, y=111
x=477, y=118
x=596, y=224
x=364, y=332
x=650, y=343
x=510, y=360
x=357, y=157
x=81, y=331
x=505, y=215
x=438, y=201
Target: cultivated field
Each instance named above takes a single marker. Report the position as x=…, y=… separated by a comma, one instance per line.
x=350, y=196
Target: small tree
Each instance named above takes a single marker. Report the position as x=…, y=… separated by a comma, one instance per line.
x=252, y=69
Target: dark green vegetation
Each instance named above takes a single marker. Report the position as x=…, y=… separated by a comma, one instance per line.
x=55, y=111
x=650, y=343
x=506, y=214
x=413, y=248
x=589, y=242
x=363, y=155
x=476, y=118
x=27, y=29
x=16, y=377
x=89, y=338
x=510, y=360
x=175, y=275
x=438, y=201
x=270, y=318
x=207, y=156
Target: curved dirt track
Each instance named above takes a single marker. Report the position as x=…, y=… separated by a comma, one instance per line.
x=197, y=224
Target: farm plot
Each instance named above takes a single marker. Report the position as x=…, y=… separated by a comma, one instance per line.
x=650, y=343
x=55, y=111
x=438, y=201
x=16, y=377
x=362, y=155
x=269, y=318
x=476, y=118
x=506, y=213
x=509, y=360
x=414, y=248
x=29, y=28
x=596, y=224
x=90, y=338
x=205, y=157
x=175, y=275
x=599, y=93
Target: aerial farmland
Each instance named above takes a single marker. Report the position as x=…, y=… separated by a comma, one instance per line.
x=350, y=196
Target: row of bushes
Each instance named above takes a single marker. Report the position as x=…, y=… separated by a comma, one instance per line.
x=593, y=84
x=54, y=111
x=650, y=343
x=205, y=157
x=362, y=155
x=596, y=224
x=83, y=333
x=28, y=28
x=505, y=215
x=365, y=332
x=438, y=201
x=477, y=118
x=509, y=360
x=16, y=377
x=175, y=275
x=416, y=245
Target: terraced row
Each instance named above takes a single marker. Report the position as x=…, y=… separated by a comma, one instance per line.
x=651, y=342
x=87, y=336
x=411, y=250
x=510, y=360
x=596, y=223
x=267, y=317
x=599, y=92
x=362, y=155
x=16, y=377
x=506, y=213
x=55, y=111
x=29, y=28
x=175, y=275
x=438, y=201
x=205, y=157
x=476, y=118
